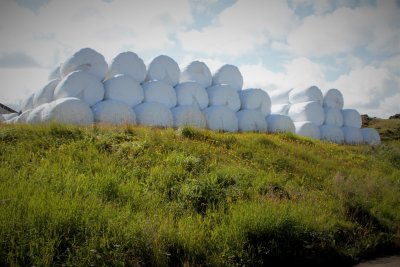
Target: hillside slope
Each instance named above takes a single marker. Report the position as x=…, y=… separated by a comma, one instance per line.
x=146, y=196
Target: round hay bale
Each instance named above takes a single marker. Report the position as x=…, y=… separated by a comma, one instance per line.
x=154, y=114
x=127, y=63
x=278, y=123
x=159, y=92
x=228, y=74
x=82, y=85
x=163, y=68
x=125, y=89
x=88, y=60
x=189, y=92
x=256, y=99
x=221, y=118
x=113, y=112
x=188, y=115
x=68, y=110
x=197, y=71
x=223, y=95
x=251, y=121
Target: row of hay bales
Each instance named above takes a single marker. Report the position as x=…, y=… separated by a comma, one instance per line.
x=85, y=90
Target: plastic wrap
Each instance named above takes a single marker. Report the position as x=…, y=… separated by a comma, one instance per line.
x=68, y=110
x=125, y=89
x=163, y=68
x=154, y=114
x=160, y=92
x=307, y=111
x=127, y=63
x=307, y=128
x=113, y=112
x=278, y=123
x=81, y=85
x=332, y=134
x=255, y=99
x=251, y=121
x=223, y=95
x=189, y=92
x=221, y=118
x=188, y=115
x=87, y=60
x=228, y=74
x=197, y=71
x=299, y=95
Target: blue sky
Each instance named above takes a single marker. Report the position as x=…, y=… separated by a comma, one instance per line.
x=350, y=45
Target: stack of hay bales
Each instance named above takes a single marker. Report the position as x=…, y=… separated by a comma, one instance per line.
x=85, y=90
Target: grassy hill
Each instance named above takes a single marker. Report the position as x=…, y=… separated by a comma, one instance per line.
x=146, y=196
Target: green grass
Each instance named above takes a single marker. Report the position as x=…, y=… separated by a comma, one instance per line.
x=136, y=196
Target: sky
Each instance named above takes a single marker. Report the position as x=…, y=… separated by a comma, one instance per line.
x=351, y=45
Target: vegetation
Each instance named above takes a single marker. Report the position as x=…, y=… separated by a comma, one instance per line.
x=133, y=196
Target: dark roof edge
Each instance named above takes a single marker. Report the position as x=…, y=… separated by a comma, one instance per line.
x=8, y=108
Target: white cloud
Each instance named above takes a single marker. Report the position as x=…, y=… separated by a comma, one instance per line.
x=50, y=33
x=370, y=90
x=377, y=28
x=300, y=72
x=18, y=84
x=241, y=28
x=66, y=26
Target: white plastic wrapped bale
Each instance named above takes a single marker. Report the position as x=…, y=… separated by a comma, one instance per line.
x=24, y=115
x=159, y=92
x=332, y=134
x=113, y=112
x=280, y=97
x=280, y=109
x=46, y=94
x=352, y=135
x=154, y=114
x=228, y=74
x=68, y=110
x=197, y=71
x=87, y=60
x=128, y=63
x=307, y=111
x=221, y=118
x=55, y=74
x=27, y=103
x=164, y=68
x=223, y=95
x=300, y=95
x=256, y=99
x=81, y=85
x=251, y=121
x=278, y=123
x=188, y=92
x=124, y=88
x=35, y=116
x=188, y=115
x=370, y=136
x=307, y=128
x=333, y=99
x=351, y=118
x=333, y=116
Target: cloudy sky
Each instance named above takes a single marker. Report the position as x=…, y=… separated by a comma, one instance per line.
x=351, y=45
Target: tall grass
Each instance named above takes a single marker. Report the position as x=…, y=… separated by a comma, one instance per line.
x=139, y=196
